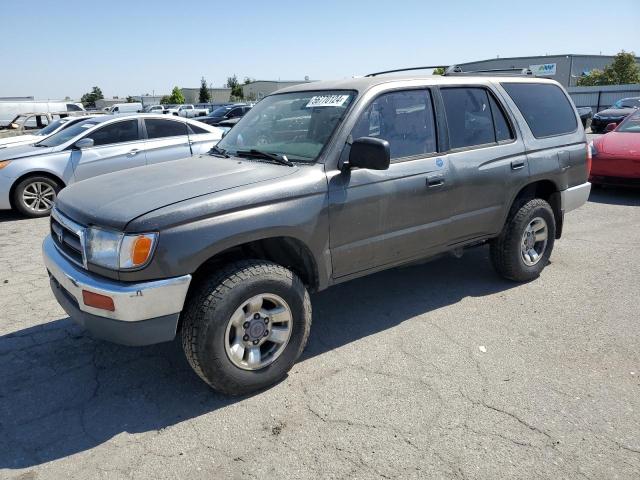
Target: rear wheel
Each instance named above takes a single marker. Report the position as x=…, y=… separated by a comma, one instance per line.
x=523, y=248
x=245, y=326
x=35, y=196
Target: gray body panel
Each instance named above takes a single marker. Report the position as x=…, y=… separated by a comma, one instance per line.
x=352, y=222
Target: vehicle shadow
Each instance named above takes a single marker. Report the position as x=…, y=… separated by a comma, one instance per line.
x=11, y=216
x=62, y=392
x=615, y=195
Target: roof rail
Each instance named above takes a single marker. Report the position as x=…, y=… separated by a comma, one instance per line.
x=405, y=70
x=455, y=70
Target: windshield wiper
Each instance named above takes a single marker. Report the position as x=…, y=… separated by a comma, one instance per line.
x=276, y=157
x=218, y=152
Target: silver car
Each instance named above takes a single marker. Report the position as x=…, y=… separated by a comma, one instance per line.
x=32, y=175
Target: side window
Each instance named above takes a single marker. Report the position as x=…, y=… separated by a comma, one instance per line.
x=405, y=119
x=119, y=132
x=73, y=108
x=236, y=112
x=469, y=117
x=545, y=107
x=164, y=128
x=503, y=130
x=195, y=129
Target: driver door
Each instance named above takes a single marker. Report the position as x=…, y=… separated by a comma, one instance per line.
x=384, y=217
x=117, y=146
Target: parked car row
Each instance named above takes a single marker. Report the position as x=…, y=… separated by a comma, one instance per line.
x=24, y=135
x=616, y=113
x=32, y=175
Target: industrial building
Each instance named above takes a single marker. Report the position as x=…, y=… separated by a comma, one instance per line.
x=565, y=69
x=216, y=95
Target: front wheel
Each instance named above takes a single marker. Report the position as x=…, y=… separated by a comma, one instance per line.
x=245, y=326
x=35, y=196
x=523, y=248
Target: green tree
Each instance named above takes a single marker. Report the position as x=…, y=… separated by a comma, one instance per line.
x=439, y=71
x=622, y=70
x=130, y=99
x=205, y=96
x=176, y=96
x=89, y=99
x=236, y=88
x=165, y=100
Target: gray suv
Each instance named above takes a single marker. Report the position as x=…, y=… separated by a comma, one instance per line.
x=318, y=184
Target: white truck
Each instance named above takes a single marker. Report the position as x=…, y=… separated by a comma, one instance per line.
x=10, y=109
x=187, y=111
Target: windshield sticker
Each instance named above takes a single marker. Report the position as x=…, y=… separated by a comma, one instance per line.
x=327, y=101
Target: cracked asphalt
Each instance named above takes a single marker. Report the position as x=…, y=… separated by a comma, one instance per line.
x=439, y=370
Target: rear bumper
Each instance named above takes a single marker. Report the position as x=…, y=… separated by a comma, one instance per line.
x=574, y=197
x=144, y=313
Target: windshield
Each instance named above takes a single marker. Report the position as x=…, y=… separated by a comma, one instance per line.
x=631, y=124
x=219, y=112
x=627, y=103
x=52, y=127
x=67, y=134
x=297, y=124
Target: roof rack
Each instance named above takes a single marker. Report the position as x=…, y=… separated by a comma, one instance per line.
x=405, y=70
x=456, y=70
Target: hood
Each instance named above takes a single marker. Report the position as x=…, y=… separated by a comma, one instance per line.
x=113, y=200
x=4, y=142
x=615, y=112
x=20, y=151
x=619, y=143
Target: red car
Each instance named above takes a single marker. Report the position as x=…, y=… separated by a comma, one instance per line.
x=616, y=155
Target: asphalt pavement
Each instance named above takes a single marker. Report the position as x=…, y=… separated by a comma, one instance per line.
x=439, y=370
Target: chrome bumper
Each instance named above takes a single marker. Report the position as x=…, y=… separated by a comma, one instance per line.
x=574, y=197
x=133, y=302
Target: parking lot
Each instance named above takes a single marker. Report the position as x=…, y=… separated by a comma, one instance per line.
x=440, y=370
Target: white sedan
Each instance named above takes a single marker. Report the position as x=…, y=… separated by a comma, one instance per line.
x=32, y=175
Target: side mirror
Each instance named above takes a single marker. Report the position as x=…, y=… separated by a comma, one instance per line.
x=83, y=143
x=371, y=153
x=610, y=127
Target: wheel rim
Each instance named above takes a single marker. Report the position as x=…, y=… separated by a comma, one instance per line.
x=39, y=197
x=534, y=241
x=258, y=332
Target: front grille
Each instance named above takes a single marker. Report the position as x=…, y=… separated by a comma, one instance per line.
x=67, y=237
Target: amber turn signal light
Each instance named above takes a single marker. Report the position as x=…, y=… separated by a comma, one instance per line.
x=141, y=250
x=96, y=300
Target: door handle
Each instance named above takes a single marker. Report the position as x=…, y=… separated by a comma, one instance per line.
x=517, y=164
x=435, y=181
x=133, y=152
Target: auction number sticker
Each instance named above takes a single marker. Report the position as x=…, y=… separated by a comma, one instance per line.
x=327, y=101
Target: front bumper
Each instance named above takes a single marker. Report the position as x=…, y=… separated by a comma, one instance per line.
x=574, y=197
x=144, y=313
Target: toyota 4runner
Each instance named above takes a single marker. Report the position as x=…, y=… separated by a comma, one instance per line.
x=318, y=184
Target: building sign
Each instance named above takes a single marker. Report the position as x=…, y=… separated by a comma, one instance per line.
x=544, y=70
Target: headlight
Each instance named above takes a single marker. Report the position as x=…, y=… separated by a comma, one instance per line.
x=117, y=250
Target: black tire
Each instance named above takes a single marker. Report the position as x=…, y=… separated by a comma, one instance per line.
x=505, y=250
x=210, y=307
x=18, y=200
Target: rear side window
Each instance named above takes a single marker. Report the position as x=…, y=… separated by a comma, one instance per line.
x=164, y=128
x=468, y=117
x=545, y=108
x=119, y=132
x=196, y=129
x=405, y=119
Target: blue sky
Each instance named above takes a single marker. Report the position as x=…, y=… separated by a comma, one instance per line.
x=51, y=49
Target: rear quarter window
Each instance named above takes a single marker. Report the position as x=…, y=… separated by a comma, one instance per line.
x=545, y=108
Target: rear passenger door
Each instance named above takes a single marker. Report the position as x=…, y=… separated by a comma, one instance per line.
x=116, y=146
x=486, y=159
x=384, y=217
x=167, y=140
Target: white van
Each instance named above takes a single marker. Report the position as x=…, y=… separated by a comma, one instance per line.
x=10, y=109
x=125, y=108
